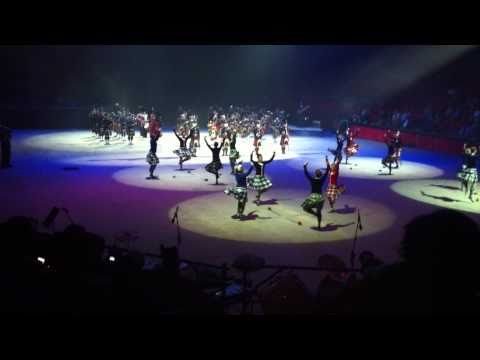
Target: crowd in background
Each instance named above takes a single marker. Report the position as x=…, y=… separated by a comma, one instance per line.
x=453, y=115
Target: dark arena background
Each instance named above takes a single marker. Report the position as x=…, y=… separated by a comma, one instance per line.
x=89, y=224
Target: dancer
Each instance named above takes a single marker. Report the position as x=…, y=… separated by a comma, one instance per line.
x=333, y=190
x=240, y=191
x=182, y=152
x=216, y=164
x=315, y=200
x=394, y=149
x=397, y=145
x=260, y=183
x=152, y=160
x=469, y=176
x=340, y=141
x=234, y=154
x=155, y=132
x=352, y=148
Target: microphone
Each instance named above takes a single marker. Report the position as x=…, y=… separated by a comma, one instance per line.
x=175, y=215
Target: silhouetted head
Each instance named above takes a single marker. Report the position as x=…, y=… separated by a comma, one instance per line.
x=239, y=168
x=215, y=144
x=318, y=173
x=260, y=157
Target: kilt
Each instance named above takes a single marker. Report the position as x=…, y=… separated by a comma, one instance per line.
x=469, y=175
x=351, y=150
x=213, y=167
x=152, y=159
x=183, y=152
x=239, y=193
x=333, y=191
x=131, y=132
x=234, y=154
x=312, y=201
x=259, y=182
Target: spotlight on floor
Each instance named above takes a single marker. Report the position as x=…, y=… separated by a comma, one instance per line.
x=111, y=258
x=41, y=260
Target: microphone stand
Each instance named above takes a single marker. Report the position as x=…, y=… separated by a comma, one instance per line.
x=175, y=220
x=352, y=253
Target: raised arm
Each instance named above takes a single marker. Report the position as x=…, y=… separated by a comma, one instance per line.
x=249, y=171
x=176, y=134
x=309, y=177
x=328, y=163
x=269, y=161
x=251, y=158
x=206, y=142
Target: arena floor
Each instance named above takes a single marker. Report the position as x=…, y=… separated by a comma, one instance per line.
x=104, y=188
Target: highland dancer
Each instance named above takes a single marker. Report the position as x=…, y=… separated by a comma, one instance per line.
x=340, y=141
x=153, y=161
x=240, y=191
x=216, y=164
x=394, y=150
x=260, y=183
x=469, y=176
x=352, y=148
x=234, y=154
x=315, y=200
x=334, y=190
x=182, y=152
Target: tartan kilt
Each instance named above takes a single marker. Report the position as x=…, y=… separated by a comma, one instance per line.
x=234, y=154
x=239, y=193
x=334, y=191
x=259, y=183
x=469, y=175
x=131, y=132
x=351, y=150
x=183, y=152
x=213, y=167
x=312, y=201
x=152, y=159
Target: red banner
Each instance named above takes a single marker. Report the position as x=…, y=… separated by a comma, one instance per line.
x=426, y=142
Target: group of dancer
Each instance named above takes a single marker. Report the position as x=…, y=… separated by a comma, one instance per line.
x=224, y=127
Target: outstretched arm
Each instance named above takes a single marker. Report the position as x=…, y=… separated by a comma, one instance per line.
x=206, y=142
x=176, y=134
x=328, y=164
x=269, y=161
x=249, y=171
x=309, y=177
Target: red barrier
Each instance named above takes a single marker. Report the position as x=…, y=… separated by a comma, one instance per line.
x=426, y=142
